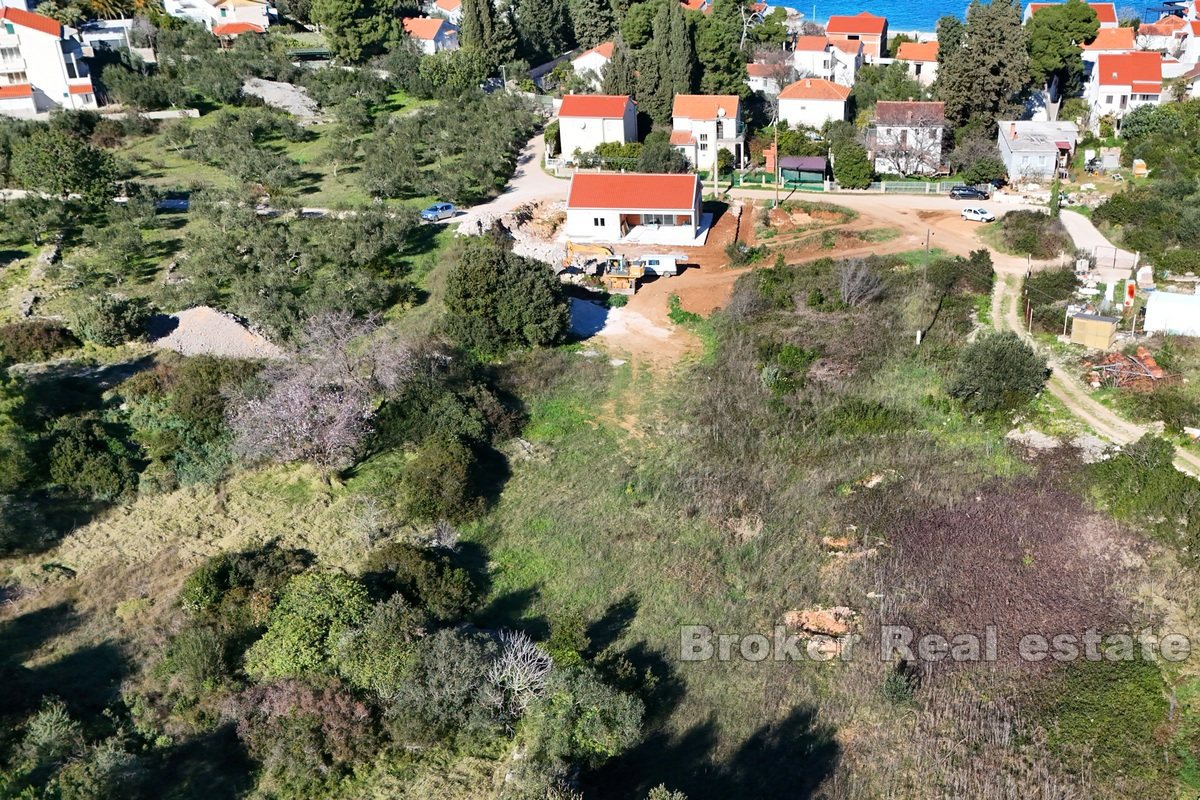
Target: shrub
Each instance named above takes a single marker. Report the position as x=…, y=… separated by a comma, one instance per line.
x=87, y=459
x=440, y=482
x=424, y=578
x=379, y=656
x=34, y=341
x=997, y=372
x=1035, y=234
x=111, y=320
x=193, y=661
x=1170, y=404
x=22, y=526
x=581, y=720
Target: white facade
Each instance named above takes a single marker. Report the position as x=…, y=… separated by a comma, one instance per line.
x=905, y=138
x=237, y=14
x=432, y=34
x=812, y=102
x=41, y=66
x=762, y=78
x=1034, y=150
x=587, y=121
x=920, y=59
x=1121, y=83
x=589, y=65
x=715, y=123
x=609, y=207
x=449, y=10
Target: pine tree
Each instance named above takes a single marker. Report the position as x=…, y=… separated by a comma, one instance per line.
x=718, y=46
x=1055, y=34
x=592, y=21
x=543, y=28
x=620, y=76
x=987, y=77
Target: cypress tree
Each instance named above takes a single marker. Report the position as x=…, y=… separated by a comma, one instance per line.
x=718, y=45
x=478, y=24
x=986, y=78
x=543, y=28
x=673, y=36
x=592, y=21
x=620, y=76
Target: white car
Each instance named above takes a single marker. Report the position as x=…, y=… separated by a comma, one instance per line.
x=978, y=215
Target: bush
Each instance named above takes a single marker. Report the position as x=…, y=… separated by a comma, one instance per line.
x=111, y=320
x=1170, y=404
x=88, y=459
x=440, y=483
x=1035, y=234
x=997, y=372
x=424, y=578
x=34, y=341
x=193, y=662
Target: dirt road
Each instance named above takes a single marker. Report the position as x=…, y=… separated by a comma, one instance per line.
x=529, y=184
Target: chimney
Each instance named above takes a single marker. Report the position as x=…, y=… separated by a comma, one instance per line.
x=808, y=83
x=769, y=157
x=1012, y=130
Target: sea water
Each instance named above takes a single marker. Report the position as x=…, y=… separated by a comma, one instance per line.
x=905, y=15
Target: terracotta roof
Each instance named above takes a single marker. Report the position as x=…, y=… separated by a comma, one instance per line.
x=1195, y=26
x=234, y=28
x=682, y=138
x=705, y=106
x=1165, y=26
x=28, y=19
x=81, y=88
x=757, y=70
x=864, y=22
x=16, y=90
x=852, y=47
x=1112, y=39
x=603, y=106
x=1139, y=70
x=811, y=43
x=917, y=51
x=815, y=89
x=905, y=112
x=692, y=5
x=448, y=5
x=633, y=191
x=423, y=27
x=604, y=49
x=1105, y=12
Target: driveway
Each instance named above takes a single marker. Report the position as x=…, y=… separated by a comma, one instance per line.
x=1112, y=262
x=529, y=184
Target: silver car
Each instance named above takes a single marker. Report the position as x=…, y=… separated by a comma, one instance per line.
x=978, y=215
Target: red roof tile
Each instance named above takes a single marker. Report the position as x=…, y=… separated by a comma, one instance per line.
x=693, y=5
x=906, y=112
x=757, y=70
x=234, y=28
x=705, y=106
x=815, y=89
x=1165, y=26
x=811, y=43
x=16, y=90
x=448, y=6
x=864, y=22
x=632, y=191
x=28, y=19
x=1129, y=69
x=918, y=51
x=423, y=27
x=682, y=138
x=604, y=49
x=604, y=106
x=1112, y=39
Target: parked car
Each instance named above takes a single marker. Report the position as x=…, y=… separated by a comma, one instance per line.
x=438, y=212
x=978, y=215
x=967, y=193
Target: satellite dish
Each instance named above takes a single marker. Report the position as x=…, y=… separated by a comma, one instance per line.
x=721, y=112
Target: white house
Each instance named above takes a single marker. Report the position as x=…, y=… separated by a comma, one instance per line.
x=1108, y=42
x=432, y=34
x=588, y=120
x=819, y=57
x=714, y=121
x=41, y=65
x=1120, y=83
x=921, y=60
x=1166, y=35
x=905, y=137
x=449, y=10
x=765, y=77
x=1035, y=149
x=864, y=27
x=589, y=65
x=1173, y=313
x=812, y=102
x=224, y=17
x=1106, y=13
x=609, y=207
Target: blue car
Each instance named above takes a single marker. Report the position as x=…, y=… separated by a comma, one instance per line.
x=438, y=212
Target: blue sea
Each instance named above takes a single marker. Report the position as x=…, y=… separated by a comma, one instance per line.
x=904, y=15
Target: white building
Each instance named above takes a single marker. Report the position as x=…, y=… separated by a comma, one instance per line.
x=1034, y=150
x=41, y=66
x=1166, y=35
x=812, y=102
x=449, y=10
x=432, y=34
x=1173, y=313
x=764, y=77
x=589, y=65
x=608, y=207
x=1108, y=42
x=921, y=60
x=224, y=17
x=1121, y=83
x=865, y=28
x=905, y=137
x=714, y=122
x=586, y=121
x=819, y=57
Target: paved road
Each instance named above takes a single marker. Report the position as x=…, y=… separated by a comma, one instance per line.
x=1112, y=262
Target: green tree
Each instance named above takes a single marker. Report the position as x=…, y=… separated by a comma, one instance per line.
x=29, y=219
x=949, y=37
x=592, y=21
x=988, y=74
x=997, y=372
x=55, y=162
x=110, y=320
x=89, y=459
x=316, y=611
x=497, y=301
x=719, y=50
x=1055, y=35
x=581, y=720
x=438, y=484
x=637, y=25
x=379, y=655
x=543, y=28
x=876, y=82
x=851, y=167
x=620, y=76
x=353, y=28
x=659, y=156
x=667, y=66
x=773, y=30
x=14, y=439
x=453, y=73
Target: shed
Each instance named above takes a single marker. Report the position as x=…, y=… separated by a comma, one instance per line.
x=803, y=169
x=1170, y=312
x=1093, y=332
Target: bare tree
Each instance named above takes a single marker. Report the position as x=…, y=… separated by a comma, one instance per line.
x=906, y=138
x=860, y=284
x=518, y=676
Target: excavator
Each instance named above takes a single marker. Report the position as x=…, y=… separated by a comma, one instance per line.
x=617, y=274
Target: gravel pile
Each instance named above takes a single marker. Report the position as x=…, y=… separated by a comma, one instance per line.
x=286, y=96
x=525, y=242
x=206, y=331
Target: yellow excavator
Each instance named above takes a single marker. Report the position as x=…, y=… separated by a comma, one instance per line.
x=617, y=274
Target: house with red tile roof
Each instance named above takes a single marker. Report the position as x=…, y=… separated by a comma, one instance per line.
x=833, y=60
x=905, y=137
x=586, y=121
x=714, y=121
x=812, y=102
x=1166, y=35
x=921, y=60
x=41, y=65
x=589, y=65
x=432, y=34
x=1122, y=82
x=449, y=10
x=1106, y=13
x=863, y=27
x=609, y=207
x=1109, y=41
x=225, y=18
x=765, y=77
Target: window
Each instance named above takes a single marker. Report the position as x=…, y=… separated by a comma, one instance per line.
x=903, y=137
x=10, y=54
x=72, y=72
x=703, y=146
x=9, y=29
x=1108, y=100
x=9, y=78
x=598, y=222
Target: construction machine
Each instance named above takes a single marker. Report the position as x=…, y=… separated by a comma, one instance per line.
x=617, y=274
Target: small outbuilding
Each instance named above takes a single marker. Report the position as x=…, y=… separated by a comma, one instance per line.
x=1093, y=332
x=1170, y=312
x=803, y=169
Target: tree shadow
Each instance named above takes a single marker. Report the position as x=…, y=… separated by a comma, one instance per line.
x=613, y=623
x=512, y=610
x=213, y=766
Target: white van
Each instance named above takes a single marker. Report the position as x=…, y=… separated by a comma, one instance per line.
x=661, y=264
